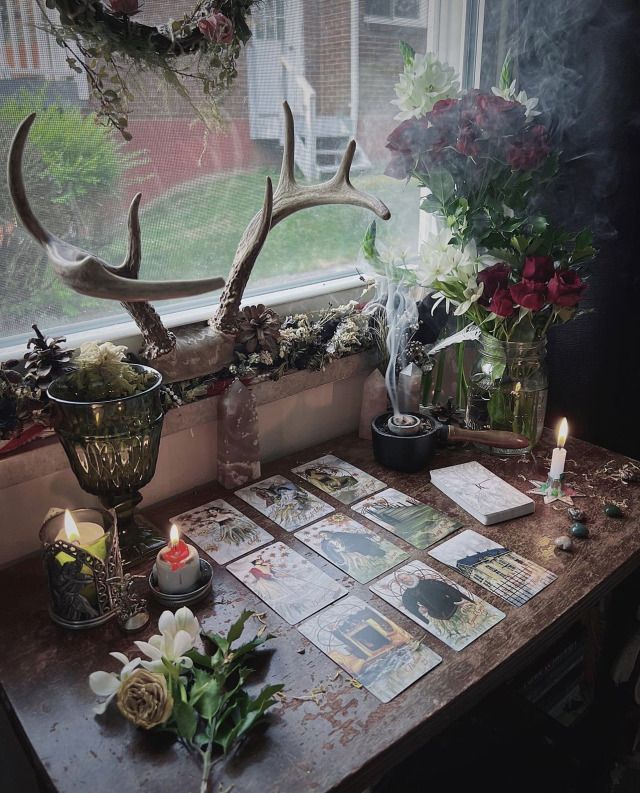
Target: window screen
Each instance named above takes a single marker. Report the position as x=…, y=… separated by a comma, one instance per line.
x=201, y=187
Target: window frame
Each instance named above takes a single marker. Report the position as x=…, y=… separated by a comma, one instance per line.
x=421, y=19
x=445, y=36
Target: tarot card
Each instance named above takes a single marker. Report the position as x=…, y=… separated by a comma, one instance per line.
x=339, y=478
x=221, y=531
x=284, y=503
x=501, y=571
x=289, y=584
x=447, y=610
x=361, y=553
x=371, y=648
x=417, y=523
x=481, y=493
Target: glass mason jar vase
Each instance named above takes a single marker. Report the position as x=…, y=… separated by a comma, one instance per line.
x=508, y=389
x=112, y=446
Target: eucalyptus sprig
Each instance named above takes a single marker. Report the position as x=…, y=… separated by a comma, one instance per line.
x=212, y=710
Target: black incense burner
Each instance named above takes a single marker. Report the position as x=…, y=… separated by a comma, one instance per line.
x=407, y=441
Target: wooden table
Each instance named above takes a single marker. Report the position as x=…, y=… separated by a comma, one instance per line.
x=346, y=739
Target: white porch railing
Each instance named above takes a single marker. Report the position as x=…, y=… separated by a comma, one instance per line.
x=27, y=51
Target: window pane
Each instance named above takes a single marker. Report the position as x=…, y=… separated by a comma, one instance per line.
x=406, y=9
x=200, y=188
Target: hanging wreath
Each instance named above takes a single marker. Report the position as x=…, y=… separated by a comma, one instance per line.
x=104, y=42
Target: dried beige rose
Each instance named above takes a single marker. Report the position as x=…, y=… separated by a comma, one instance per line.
x=144, y=699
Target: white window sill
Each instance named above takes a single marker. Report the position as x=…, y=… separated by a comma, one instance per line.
x=399, y=21
x=310, y=297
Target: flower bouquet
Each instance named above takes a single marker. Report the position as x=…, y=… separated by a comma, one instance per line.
x=176, y=688
x=485, y=159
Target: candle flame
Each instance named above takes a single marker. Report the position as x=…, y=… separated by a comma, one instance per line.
x=70, y=527
x=563, y=431
x=174, y=536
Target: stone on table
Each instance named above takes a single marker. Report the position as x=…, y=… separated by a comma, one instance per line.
x=410, y=389
x=238, y=437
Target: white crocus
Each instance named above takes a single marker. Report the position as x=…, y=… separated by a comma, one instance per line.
x=178, y=634
x=107, y=684
x=472, y=292
x=521, y=97
x=424, y=81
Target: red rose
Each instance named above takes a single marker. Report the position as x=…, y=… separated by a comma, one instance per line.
x=442, y=107
x=494, y=113
x=529, y=294
x=538, y=268
x=217, y=28
x=124, y=8
x=494, y=278
x=566, y=288
x=527, y=153
x=501, y=303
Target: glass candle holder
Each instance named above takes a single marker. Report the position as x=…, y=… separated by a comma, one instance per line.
x=83, y=582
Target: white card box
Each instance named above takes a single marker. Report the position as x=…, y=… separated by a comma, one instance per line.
x=481, y=493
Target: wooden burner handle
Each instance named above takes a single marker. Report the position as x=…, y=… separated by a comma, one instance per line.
x=501, y=438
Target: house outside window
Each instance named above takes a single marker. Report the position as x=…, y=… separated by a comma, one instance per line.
x=396, y=12
x=201, y=187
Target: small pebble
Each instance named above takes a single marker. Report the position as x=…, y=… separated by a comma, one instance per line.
x=612, y=511
x=579, y=530
x=577, y=514
x=564, y=543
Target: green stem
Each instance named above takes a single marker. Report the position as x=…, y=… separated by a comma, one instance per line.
x=206, y=768
x=461, y=385
x=427, y=382
x=439, y=376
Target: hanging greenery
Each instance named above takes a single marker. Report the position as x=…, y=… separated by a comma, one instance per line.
x=104, y=42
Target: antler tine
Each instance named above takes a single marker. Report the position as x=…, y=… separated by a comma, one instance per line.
x=247, y=252
x=130, y=267
x=287, y=171
x=80, y=270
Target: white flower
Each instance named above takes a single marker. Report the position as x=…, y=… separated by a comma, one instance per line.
x=472, y=292
x=424, y=81
x=178, y=634
x=521, y=97
x=107, y=684
x=94, y=354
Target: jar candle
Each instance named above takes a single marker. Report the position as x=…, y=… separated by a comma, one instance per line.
x=86, y=535
x=178, y=566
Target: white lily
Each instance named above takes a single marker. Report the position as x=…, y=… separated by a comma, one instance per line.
x=424, y=81
x=107, y=684
x=472, y=292
x=521, y=97
x=178, y=634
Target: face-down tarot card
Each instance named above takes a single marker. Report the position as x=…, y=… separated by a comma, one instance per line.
x=417, y=523
x=501, y=571
x=339, y=479
x=360, y=552
x=283, y=502
x=371, y=648
x=221, y=531
x=289, y=584
x=447, y=610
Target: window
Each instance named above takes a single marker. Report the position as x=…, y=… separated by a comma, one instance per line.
x=200, y=188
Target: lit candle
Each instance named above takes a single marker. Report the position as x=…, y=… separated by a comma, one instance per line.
x=178, y=566
x=559, y=453
x=85, y=534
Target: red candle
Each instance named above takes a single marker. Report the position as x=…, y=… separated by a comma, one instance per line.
x=176, y=555
x=177, y=566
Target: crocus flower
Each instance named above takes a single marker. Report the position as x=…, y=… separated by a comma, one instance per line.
x=107, y=684
x=178, y=634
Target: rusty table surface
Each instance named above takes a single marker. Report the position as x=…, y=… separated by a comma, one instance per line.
x=346, y=738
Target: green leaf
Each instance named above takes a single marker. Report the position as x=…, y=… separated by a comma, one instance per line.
x=442, y=185
x=408, y=53
x=505, y=72
x=235, y=631
x=186, y=719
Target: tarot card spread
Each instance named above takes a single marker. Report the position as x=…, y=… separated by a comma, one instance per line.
x=284, y=503
x=501, y=571
x=447, y=610
x=361, y=553
x=372, y=649
x=339, y=478
x=406, y=517
x=289, y=584
x=221, y=531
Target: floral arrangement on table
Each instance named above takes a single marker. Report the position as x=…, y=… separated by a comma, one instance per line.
x=486, y=159
x=268, y=347
x=104, y=42
x=197, y=696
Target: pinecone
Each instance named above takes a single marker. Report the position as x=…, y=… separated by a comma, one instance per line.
x=258, y=329
x=46, y=361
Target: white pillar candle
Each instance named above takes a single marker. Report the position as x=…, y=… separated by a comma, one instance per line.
x=178, y=566
x=559, y=456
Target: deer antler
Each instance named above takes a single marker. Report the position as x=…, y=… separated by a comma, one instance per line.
x=288, y=198
x=82, y=271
